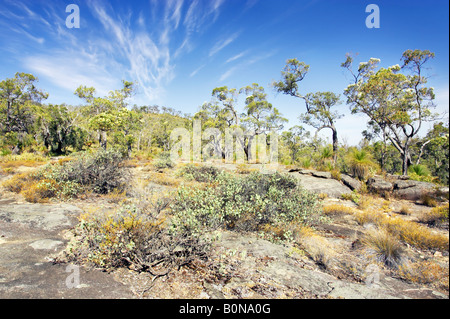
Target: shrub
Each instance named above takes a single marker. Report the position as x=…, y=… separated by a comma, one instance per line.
x=360, y=164
x=203, y=174
x=326, y=153
x=163, y=161
x=306, y=163
x=246, y=203
x=419, y=170
x=102, y=171
x=132, y=237
x=353, y=196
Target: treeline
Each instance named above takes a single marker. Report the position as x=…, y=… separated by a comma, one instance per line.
x=395, y=100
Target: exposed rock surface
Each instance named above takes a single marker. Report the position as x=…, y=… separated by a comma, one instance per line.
x=412, y=190
x=351, y=182
x=30, y=235
x=321, y=183
x=404, y=188
x=266, y=262
x=378, y=185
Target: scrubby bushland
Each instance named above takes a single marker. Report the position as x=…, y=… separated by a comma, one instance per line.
x=254, y=202
x=134, y=236
x=101, y=172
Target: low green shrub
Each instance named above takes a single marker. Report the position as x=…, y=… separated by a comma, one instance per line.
x=244, y=203
x=163, y=161
x=203, y=174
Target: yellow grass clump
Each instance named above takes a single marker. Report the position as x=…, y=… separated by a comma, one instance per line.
x=408, y=231
x=426, y=272
x=338, y=209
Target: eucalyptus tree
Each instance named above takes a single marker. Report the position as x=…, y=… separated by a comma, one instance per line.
x=260, y=115
x=57, y=126
x=19, y=99
x=396, y=103
x=108, y=113
x=222, y=114
x=319, y=113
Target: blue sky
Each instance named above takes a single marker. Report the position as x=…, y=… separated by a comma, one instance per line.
x=180, y=50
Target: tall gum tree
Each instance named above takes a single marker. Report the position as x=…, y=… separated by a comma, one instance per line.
x=396, y=103
x=319, y=105
x=18, y=97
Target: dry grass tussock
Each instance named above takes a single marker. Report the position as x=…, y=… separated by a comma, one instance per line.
x=437, y=216
x=386, y=248
x=408, y=231
x=337, y=210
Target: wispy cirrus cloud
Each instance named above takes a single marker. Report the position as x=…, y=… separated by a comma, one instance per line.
x=228, y=73
x=194, y=73
x=113, y=44
x=147, y=59
x=237, y=56
x=222, y=43
x=63, y=70
x=199, y=15
x=245, y=63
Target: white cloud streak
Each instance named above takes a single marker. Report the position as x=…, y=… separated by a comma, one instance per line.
x=237, y=56
x=221, y=44
x=146, y=54
x=245, y=63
